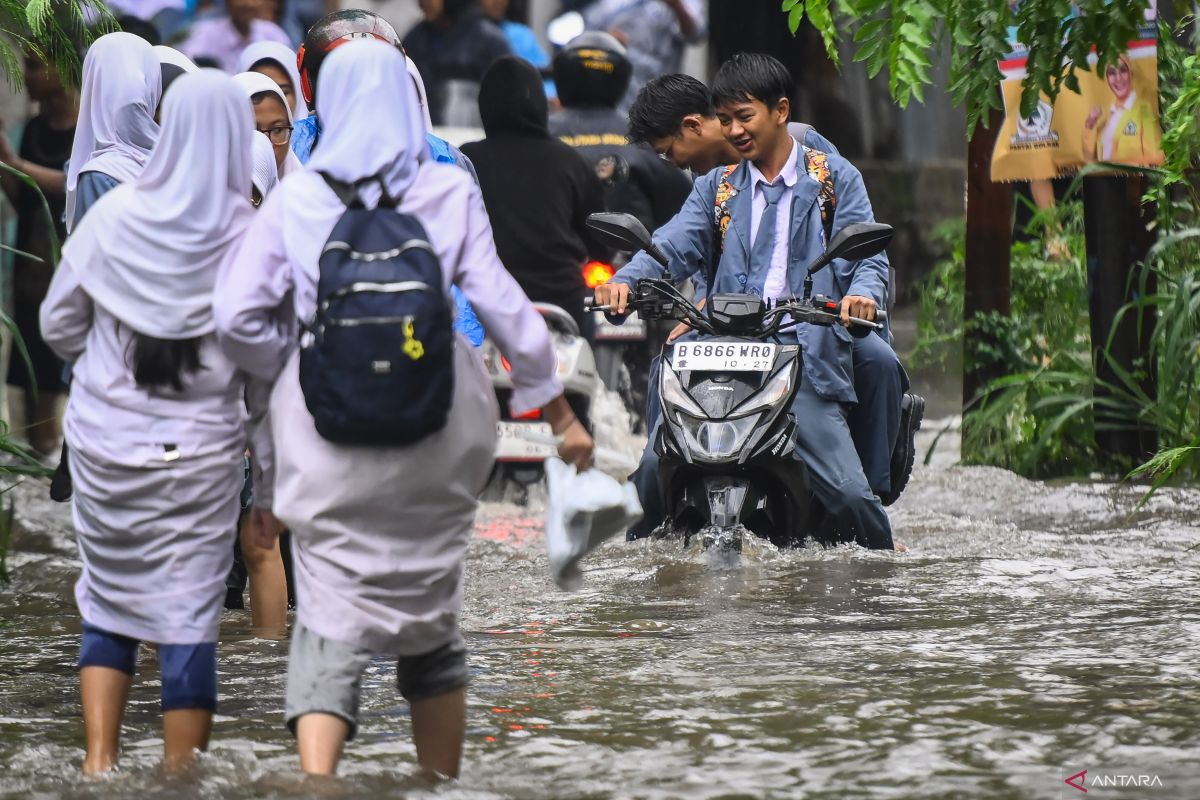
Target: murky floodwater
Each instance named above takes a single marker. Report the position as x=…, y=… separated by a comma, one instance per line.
x=1034, y=631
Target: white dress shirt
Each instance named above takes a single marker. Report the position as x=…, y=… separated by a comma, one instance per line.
x=777, y=283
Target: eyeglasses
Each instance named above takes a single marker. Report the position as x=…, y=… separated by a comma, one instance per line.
x=278, y=136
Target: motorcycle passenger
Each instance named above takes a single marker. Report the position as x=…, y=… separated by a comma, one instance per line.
x=592, y=73
x=766, y=252
x=538, y=191
x=674, y=114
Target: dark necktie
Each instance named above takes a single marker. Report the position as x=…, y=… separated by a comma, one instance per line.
x=764, y=239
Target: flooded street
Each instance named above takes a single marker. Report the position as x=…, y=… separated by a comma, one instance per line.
x=1035, y=630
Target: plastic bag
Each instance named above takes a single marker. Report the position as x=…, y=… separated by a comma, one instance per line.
x=584, y=510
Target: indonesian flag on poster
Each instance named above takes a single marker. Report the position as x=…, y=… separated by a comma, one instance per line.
x=1113, y=118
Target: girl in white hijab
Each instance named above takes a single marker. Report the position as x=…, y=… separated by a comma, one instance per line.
x=156, y=418
x=379, y=534
x=272, y=117
x=122, y=84
x=278, y=62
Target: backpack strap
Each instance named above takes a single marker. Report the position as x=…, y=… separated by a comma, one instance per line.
x=721, y=216
x=348, y=192
x=816, y=164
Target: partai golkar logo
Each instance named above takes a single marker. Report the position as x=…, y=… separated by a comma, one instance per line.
x=1110, y=779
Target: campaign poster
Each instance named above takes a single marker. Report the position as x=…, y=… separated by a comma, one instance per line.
x=1114, y=117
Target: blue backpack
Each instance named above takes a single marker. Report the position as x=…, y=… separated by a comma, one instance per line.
x=377, y=358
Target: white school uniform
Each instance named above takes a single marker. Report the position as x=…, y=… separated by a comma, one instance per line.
x=157, y=471
x=379, y=533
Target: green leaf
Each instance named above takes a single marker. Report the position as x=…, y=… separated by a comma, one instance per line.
x=795, y=17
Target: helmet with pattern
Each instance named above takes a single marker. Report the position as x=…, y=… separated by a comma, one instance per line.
x=333, y=31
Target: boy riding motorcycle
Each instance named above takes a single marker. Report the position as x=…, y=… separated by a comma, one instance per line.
x=767, y=228
x=674, y=115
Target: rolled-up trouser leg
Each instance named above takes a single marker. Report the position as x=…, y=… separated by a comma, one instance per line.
x=880, y=383
x=823, y=443
x=324, y=677
x=189, y=676
x=433, y=674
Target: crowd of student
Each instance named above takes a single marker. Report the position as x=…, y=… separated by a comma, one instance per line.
x=199, y=206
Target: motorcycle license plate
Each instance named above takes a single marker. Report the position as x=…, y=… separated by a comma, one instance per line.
x=518, y=441
x=723, y=356
x=632, y=330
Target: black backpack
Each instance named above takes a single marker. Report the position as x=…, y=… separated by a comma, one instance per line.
x=377, y=358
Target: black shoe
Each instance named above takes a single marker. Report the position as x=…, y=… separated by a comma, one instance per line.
x=60, y=484
x=904, y=453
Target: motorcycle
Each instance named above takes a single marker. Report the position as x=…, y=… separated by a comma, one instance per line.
x=525, y=442
x=727, y=439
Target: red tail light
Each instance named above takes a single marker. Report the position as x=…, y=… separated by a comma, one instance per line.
x=597, y=273
x=504, y=363
x=535, y=414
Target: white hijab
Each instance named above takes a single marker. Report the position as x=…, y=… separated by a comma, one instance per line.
x=122, y=84
x=422, y=96
x=285, y=57
x=372, y=123
x=265, y=171
x=169, y=55
x=253, y=83
x=149, y=250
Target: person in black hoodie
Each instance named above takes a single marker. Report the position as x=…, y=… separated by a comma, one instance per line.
x=538, y=191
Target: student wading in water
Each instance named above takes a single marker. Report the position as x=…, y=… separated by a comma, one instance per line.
x=156, y=418
x=380, y=532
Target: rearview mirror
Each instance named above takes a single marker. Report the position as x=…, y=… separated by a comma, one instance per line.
x=625, y=232
x=856, y=241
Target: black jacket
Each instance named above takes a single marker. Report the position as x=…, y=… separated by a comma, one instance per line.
x=636, y=181
x=538, y=191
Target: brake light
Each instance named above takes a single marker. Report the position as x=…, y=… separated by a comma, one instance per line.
x=504, y=363
x=597, y=273
x=535, y=414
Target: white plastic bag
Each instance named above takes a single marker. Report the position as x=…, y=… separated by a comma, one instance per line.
x=584, y=510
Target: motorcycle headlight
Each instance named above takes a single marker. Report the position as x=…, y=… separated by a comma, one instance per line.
x=769, y=396
x=674, y=395
x=716, y=441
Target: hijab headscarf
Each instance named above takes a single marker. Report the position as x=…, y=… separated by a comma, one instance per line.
x=122, y=84
x=149, y=250
x=255, y=83
x=285, y=57
x=372, y=122
x=173, y=65
x=512, y=99
x=422, y=95
x=265, y=172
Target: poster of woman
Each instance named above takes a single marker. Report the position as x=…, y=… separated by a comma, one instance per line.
x=1113, y=118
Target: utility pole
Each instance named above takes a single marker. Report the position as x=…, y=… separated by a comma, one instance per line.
x=988, y=254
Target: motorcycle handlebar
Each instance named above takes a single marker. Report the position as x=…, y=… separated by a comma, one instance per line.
x=881, y=315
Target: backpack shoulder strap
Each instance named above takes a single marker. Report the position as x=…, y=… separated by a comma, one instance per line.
x=348, y=192
x=721, y=219
x=816, y=164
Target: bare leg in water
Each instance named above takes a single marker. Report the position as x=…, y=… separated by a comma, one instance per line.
x=439, y=724
x=104, y=692
x=185, y=732
x=268, y=582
